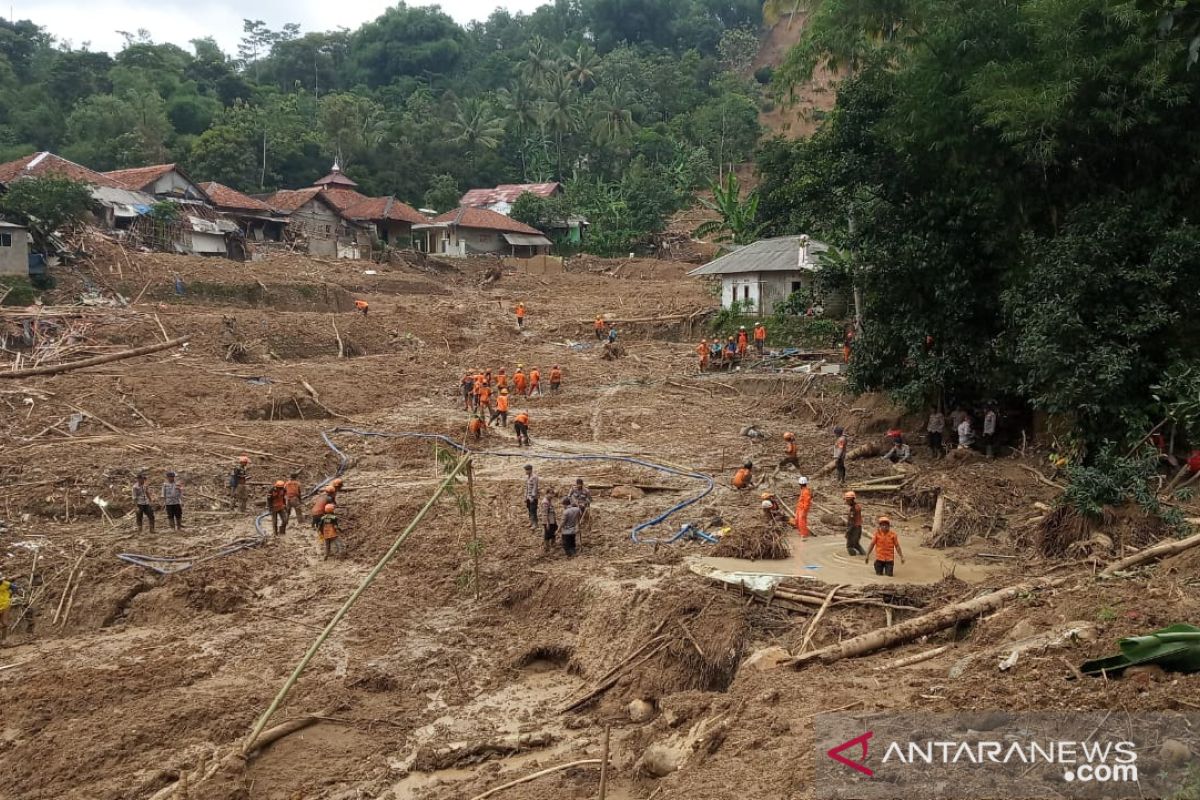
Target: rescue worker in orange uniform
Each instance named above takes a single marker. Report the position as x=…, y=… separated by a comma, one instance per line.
x=293, y=491
x=803, y=504
x=502, y=379
x=501, y=411
x=886, y=546
x=329, y=529
x=485, y=399
x=702, y=351
x=600, y=332
x=744, y=478
x=277, y=505
x=535, y=382
x=520, y=316
x=519, y=379
x=743, y=341
x=362, y=306
x=790, y=456
x=555, y=379
x=521, y=426
x=476, y=426
x=760, y=337
x=853, y=525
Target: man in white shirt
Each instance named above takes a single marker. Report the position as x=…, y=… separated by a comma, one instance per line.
x=989, y=430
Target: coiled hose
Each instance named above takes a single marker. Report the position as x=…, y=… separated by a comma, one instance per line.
x=170, y=564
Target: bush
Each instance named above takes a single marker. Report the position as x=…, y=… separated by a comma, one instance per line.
x=1112, y=478
x=20, y=291
x=783, y=331
x=764, y=74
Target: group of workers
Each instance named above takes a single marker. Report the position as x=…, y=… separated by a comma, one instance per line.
x=735, y=348
x=287, y=497
x=487, y=398
x=962, y=430
x=543, y=505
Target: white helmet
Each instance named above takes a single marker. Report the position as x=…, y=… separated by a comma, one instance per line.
x=803, y=481
x=767, y=504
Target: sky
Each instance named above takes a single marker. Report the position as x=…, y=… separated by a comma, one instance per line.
x=179, y=21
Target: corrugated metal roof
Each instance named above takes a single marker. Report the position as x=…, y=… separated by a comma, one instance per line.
x=526, y=240
x=781, y=254
x=506, y=193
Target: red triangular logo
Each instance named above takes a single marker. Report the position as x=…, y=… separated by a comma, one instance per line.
x=857, y=741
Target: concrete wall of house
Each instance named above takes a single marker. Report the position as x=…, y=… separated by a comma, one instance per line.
x=760, y=292
x=14, y=251
x=320, y=225
x=396, y=233
x=478, y=240
x=173, y=184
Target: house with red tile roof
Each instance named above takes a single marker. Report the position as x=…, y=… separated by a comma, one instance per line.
x=115, y=205
x=503, y=196
x=313, y=215
x=466, y=231
x=258, y=220
x=164, y=181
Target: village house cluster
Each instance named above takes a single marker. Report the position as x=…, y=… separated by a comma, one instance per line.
x=331, y=218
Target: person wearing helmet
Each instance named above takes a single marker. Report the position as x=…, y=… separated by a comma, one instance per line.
x=476, y=425
x=521, y=427
x=853, y=525
x=599, y=327
x=321, y=499
x=277, y=507
x=803, y=504
x=293, y=490
x=760, y=338
x=141, y=502
x=555, y=379
x=501, y=379
x=702, y=352
x=790, y=455
x=520, y=312
x=771, y=508
x=500, y=412
x=886, y=546
x=239, y=484
x=328, y=530
x=535, y=382
x=172, y=495
x=743, y=341
x=744, y=477
x=839, y=452
x=519, y=380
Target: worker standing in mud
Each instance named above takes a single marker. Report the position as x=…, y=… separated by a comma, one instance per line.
x=886, y=546
x=277, y=507
x=172, y=494
x=803, y=504
x=324, y=497
x=535, y=382
x=239, y=484
x=702, y=352
x=519, y=379
x=501, y=410
x=555, y=379
x=362, y=306
x=599, y=327
x=476, y=425
x=531, y=495
x=570, y=526
x=744, y=477
x=935, y=429
x=293, y=491
x=581, y=497
x=329, y=530
x=839, y=453
x=501, y=379
x=549, y=520
x=790, y=456
x=521, y=428
x=853, y=525
x=520, y=311
x=760, y=338
x=468, y=387
x=141, y=499
x=743, y=341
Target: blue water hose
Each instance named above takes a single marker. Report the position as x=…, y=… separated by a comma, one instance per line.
x=166, y=565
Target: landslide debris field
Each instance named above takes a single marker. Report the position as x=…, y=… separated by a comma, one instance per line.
x=443, y=682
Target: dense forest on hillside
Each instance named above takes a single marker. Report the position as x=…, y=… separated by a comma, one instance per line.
x=1013, y=187
x=634, y=101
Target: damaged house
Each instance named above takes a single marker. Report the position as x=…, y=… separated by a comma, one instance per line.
x=116, y=207
x=259, y=221
x=467, y=231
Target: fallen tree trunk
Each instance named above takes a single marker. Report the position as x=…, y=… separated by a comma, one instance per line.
x=1153, y=553
x=92, y=362
x=862, y=451
x=935, y=621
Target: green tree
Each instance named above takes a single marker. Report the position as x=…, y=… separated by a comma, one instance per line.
x=739, y=221
x=443, y=193
x=46, y=205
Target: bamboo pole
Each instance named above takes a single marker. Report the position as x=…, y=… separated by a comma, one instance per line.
x=248, y=745
x=474, y=532
x=586, y=762
x=604, y=765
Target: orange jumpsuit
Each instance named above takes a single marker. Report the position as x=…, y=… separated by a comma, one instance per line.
x=702, y=351
x=803, y=504
x=741, y=478
x=535, y=378
x=519, y=381
x=743, y=342
x=501, y=380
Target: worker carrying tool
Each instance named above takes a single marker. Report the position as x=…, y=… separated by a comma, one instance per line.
x=141, y=501
x=520, y=311
x=476, y=425
x=760, y=338
x=521, y=428
x=744, y=477
x=803, y=504
x=328, y=530
x=501, y=410
x=239, y=483
x=293, y=491
x=886, y=546
x=853, y=525
x=555, y=379
x=790, y=456
x=361, y=306
x=172, y=495
x=277, y=507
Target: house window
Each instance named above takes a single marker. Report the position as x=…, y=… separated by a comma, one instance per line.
x=328, y=230
x=746, y=292
x=797, y=286
x=5, y=240
x=483, y=237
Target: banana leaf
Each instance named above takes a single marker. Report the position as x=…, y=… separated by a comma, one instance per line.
x=1175, y=648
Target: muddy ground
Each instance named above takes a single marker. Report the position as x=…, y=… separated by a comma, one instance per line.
x=453, y=673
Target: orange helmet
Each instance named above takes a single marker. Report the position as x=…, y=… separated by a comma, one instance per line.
x=331, y=489
x=789, y=436
x=337, y=482
x=504, y=391
x=849, y=496
x=885, y=521
x=765, y=496
x=278, y=484
x=243, y=459
x=329, y=508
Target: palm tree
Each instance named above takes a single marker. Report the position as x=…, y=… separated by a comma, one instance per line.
x=540, y=64
x=738, y=222
x=581, y=67
x=475, y=125
x=559, y=112
x=612, y=121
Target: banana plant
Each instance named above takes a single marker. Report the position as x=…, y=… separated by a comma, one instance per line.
x=1175, y=648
